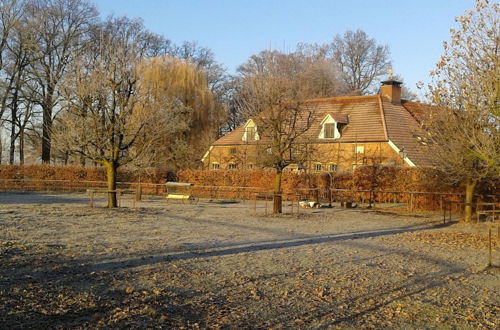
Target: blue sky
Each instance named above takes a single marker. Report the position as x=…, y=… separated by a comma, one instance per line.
x=234, y=30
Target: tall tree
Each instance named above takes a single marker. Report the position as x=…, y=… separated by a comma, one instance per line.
x=466, y=87
x=180, y=91
x=361, y=60
x=61, y=27
x=102, y=120
x=272, y=93
x=11, y=13
x=216, y=75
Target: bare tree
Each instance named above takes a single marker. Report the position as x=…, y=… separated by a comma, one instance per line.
x=465, y=131
x=11, y=13
x=102, y=120
x=61, y=26
x=360, y=60
x=273, y=95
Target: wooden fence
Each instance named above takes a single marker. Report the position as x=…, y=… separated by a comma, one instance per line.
x=414, y=200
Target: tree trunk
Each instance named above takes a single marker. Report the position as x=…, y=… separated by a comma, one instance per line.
x=21, y=146
x=47, y=106
x=277, y=199
x=469, y=195
x=12, y=140
x=46, y=136
x=111, y=176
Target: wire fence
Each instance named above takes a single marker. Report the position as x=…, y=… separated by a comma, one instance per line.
x=412, y=200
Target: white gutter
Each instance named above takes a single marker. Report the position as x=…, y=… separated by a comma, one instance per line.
x=207, y=153
x=406, y=159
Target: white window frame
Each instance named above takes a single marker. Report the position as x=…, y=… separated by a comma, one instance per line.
x=329, y=120
x=332, y=165
x=250, y=124
x=359, y=149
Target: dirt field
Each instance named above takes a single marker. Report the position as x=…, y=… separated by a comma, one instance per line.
x=218, y=265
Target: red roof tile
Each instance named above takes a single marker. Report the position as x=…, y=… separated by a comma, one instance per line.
x=369, y=119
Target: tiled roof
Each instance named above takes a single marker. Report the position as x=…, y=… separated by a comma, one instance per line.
x=401, y=130
x=370, y=119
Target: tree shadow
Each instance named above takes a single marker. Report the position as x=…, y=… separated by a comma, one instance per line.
x=17, y=197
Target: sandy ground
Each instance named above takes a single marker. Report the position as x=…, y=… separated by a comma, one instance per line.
x=220, y=265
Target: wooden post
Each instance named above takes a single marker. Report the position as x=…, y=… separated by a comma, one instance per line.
x=266, y=202
x=255, y=202
x=91, y=193
x=489, y=246
x=138, y=193
x=444, y=216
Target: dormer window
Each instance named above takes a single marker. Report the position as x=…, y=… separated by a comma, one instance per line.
x=330, y=125
x=329, y=130
x=250, y=131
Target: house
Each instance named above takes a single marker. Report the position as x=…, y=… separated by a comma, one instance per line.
x=346, y=132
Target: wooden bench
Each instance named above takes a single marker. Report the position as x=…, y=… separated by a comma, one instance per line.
x=174, y=194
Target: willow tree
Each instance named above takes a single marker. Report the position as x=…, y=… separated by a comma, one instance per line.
x=101, y=120
x=465, y=131
x=180, y=90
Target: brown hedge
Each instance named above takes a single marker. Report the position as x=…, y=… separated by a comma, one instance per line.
x=245, y=184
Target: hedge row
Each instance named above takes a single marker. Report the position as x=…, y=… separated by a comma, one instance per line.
x=246, y=184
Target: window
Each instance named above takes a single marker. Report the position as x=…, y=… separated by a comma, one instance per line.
x=232, y=151
x=332, y=167
x=269, y=151
x=215, y=166
x=250, y=133
x=231, y=166
x=329, y=128
x=317, y=167
x=359, y=149
x=329, y=131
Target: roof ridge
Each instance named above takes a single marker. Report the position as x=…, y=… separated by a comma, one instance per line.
x=326, y=99
x=382, y=114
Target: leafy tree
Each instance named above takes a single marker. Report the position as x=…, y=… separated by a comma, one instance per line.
x=181, y=91
x=465, y=131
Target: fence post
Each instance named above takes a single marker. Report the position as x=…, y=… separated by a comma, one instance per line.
x=255, y=202
x=91, y=193
x=138, y=193
x=489, y=246
x=266, y=202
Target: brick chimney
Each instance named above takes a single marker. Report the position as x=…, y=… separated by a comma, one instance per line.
x=392, y=90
